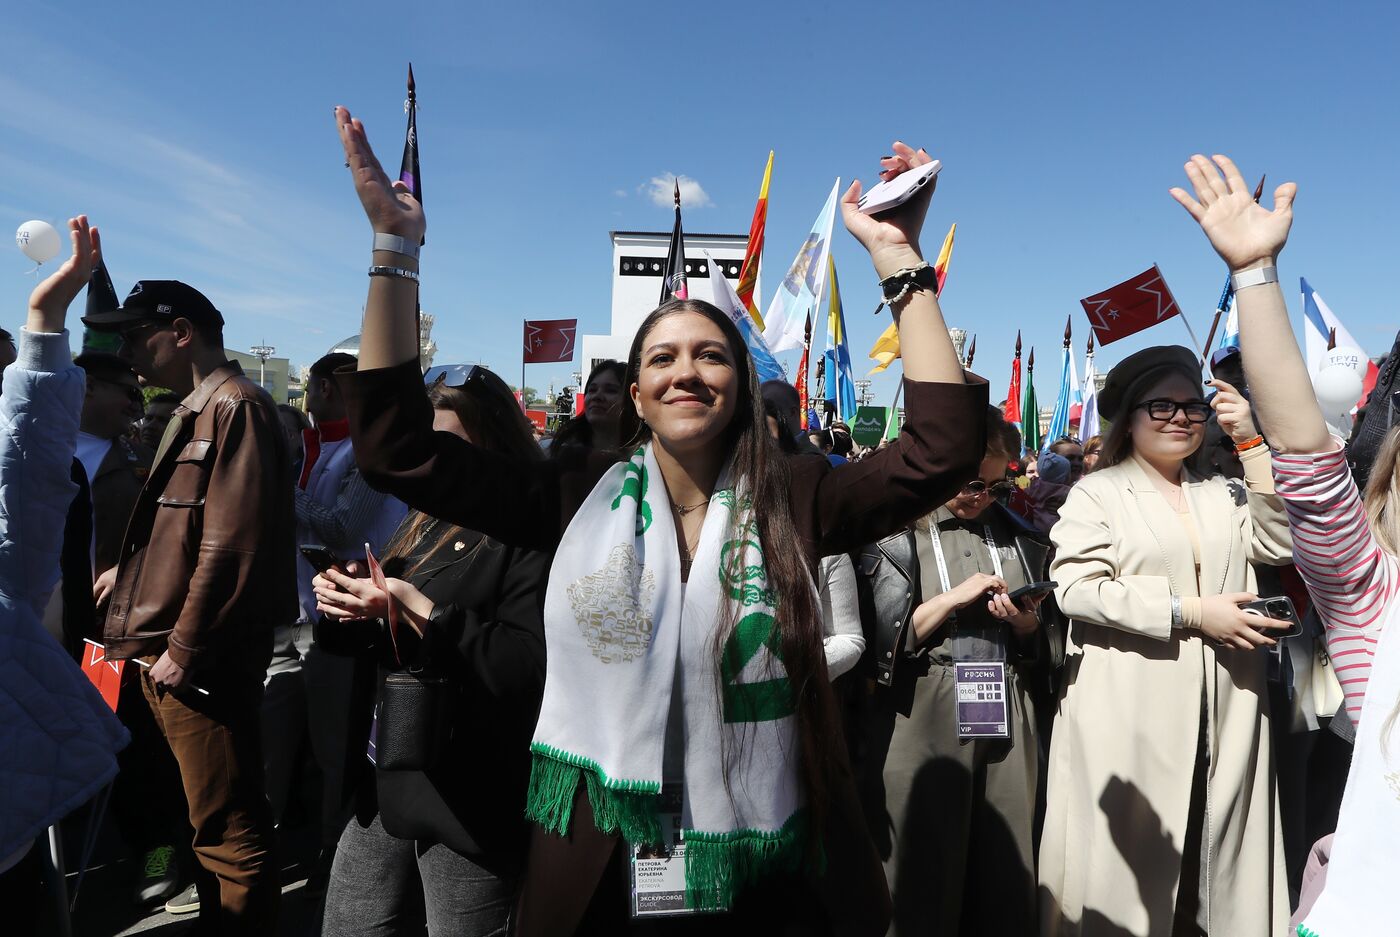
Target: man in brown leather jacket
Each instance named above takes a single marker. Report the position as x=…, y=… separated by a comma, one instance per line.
x=206, y=570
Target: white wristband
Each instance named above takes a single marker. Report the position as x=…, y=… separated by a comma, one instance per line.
x=396, y=244
x=1256, y=277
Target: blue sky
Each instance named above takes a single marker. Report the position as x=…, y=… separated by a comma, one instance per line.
x=199, y=137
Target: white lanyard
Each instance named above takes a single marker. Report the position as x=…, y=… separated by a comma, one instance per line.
x=990, y=544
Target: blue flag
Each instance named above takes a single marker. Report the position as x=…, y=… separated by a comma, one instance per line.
x=1059, y=419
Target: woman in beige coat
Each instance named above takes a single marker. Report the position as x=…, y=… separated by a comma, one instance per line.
x=1161, y=816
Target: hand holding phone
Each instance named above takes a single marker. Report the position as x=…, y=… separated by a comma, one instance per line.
x=1279, y=609
x=320, y=558
x=895, y=192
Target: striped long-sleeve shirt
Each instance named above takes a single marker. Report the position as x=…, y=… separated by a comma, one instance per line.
x=1351, y=578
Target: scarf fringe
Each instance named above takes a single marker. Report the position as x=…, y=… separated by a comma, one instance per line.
x=626, y=807
x=718, y=866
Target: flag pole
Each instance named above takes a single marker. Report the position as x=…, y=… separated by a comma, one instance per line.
x=894, y=409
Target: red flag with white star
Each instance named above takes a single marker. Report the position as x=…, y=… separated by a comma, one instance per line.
x=1131, y=306
x=549, y=340
x=105, y=674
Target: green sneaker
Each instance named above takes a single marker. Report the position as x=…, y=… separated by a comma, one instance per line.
x=187, y=902
x=160, y=877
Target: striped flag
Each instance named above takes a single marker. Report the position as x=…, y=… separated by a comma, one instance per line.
x=753, y=254
x=764, y=364
x=841, y=388
x=1319, y=321
x=1089, y=413
x=1059, y=418
x=886, y=347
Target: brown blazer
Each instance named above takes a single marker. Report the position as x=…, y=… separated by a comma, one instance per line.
x=835, y=510
x=115, y=489
x=207, y=564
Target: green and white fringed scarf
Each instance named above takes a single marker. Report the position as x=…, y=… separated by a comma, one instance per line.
x=623, y=632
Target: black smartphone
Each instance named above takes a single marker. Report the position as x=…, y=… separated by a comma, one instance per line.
x=1279, y=608
x=318, y=556
x=1034, y=590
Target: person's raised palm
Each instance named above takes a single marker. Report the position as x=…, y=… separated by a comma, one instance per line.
x=1242, y=232
x=51, y=298
x=894, y=232
x=387, y=203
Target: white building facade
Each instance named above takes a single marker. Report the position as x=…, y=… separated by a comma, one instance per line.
x=638, y=258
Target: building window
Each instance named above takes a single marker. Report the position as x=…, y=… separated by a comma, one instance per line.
x=652, y=266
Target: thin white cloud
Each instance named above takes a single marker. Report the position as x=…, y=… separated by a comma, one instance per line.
x=620, y=193
x=661, y=190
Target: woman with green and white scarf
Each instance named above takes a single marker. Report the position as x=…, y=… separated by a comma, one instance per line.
x=683, y=632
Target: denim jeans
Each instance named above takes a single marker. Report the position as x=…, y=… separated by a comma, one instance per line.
x=383, y=886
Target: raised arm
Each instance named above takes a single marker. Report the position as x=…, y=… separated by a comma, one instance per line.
x=391, y=421
x=39, y=430
x=892, y=238
x=1249, y=237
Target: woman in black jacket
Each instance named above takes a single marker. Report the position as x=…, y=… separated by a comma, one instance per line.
x=441, y=804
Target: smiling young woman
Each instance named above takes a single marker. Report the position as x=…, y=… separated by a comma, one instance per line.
x=1162, y=730
x=684, y=643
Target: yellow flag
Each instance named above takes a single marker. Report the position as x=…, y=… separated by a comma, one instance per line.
x=886, y=347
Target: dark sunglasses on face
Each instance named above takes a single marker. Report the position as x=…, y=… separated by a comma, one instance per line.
x=978, y=486
x=1161, y=410
x=131, y=331
x=131, y=393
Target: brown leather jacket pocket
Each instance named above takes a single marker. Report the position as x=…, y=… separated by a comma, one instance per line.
x=189, y=479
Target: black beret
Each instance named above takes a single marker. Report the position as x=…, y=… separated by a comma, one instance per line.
x=1150, y=364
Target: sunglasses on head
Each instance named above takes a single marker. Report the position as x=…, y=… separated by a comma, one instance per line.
x=465, y=376
x=1162, y=410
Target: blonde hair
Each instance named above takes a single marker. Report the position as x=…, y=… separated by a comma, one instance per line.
x=1382, y=501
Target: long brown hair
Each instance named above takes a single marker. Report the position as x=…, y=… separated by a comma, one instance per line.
x=494, y=421
x=577, y=431
x=762, y=470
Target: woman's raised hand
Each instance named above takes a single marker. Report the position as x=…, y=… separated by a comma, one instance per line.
x=892, y=237
x=48, y=303
x=1244, y=233
x=390, y=207
x=1233, y=412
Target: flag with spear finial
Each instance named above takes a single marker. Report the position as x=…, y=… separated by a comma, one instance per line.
x=1030, y=410
x=1012, y=408
x=1089, y=413
x=753, y=253
x=971, y=352
x=673, y=276
x=1064, y=397
x=409, y=173
x=802, y=372
x=101, y=297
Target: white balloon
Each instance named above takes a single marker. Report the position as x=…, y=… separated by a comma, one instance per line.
x=1338, y=389
x=39, y=241
x=1345, y=355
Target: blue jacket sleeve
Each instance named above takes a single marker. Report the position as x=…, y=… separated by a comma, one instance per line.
x=40, y=404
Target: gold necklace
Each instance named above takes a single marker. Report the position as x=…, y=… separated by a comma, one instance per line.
x=684, y=509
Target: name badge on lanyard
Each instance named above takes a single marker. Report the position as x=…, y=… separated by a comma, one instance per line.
x=980, y=685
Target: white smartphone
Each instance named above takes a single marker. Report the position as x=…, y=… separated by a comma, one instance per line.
x=898, y=190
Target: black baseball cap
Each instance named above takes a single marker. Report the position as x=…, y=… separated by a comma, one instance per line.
x=158, y=301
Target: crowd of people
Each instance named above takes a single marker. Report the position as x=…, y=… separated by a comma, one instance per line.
x=938, y=686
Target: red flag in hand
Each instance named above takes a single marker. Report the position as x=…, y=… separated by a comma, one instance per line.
x=105, y=674
x=1131, y=306
x=548, y=340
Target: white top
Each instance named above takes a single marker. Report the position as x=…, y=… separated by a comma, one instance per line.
x=91, y=451
x=844, y=639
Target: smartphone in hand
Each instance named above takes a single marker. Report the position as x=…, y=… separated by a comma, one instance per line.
x=320, y=558
x=1279, y=608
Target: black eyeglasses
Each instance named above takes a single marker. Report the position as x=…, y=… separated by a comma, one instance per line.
x=1162, y=410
